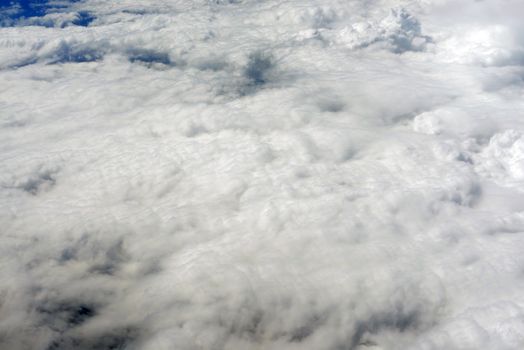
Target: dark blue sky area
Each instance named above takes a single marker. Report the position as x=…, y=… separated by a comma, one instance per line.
x=26, y=8
x=13, y=10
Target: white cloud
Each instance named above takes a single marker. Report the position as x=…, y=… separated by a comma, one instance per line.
x=263, y=174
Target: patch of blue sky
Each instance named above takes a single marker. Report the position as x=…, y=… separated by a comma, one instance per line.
x=20, y=12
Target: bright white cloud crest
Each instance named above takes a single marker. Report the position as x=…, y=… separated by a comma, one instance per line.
x=262, y=175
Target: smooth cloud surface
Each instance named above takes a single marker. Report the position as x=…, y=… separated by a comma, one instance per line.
x=272, y=174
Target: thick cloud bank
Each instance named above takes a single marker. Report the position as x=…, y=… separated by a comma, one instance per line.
x=249, y=174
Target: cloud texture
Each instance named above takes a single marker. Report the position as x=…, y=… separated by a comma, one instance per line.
x=245, y=174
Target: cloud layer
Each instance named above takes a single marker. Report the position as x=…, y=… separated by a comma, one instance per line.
x=272, y=174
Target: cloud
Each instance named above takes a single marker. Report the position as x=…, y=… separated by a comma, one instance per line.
x=261, y=174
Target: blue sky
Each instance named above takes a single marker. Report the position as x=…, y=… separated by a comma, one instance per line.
x=15, y=12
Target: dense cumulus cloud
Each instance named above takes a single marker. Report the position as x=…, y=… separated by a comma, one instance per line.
x=262, y=174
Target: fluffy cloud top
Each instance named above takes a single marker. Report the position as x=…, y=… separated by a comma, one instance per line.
x=242, y=174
